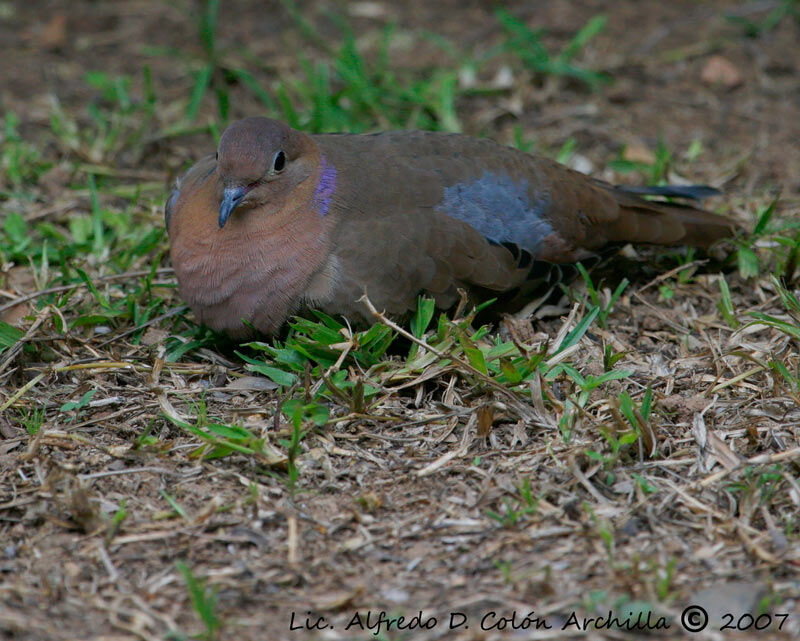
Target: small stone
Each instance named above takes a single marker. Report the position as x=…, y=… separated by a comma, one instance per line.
x=721, y=71
x=639, y=153
x=154, y=336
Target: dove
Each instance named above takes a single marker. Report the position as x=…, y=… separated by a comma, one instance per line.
x=279, y=221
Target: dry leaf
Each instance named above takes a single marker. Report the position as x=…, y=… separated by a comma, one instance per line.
x=254, y=383
x=485, y=420
x=724, y=455
x=54, y=34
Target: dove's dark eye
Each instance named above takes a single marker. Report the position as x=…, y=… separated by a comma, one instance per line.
x=279, y=162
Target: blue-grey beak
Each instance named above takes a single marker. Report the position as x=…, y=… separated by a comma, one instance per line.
x=231, y=197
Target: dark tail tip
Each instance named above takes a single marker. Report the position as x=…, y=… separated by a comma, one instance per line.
x=693, y=192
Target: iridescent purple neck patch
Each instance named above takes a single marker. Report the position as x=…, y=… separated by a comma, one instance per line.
x=325, y=187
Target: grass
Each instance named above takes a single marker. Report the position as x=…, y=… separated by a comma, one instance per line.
x=774, y=16
x=527, y=44
x=526, y=504
x=431, y=444
x=22, y=162
x=204, y=602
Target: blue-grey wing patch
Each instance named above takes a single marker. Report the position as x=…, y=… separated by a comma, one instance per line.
x=502, y=210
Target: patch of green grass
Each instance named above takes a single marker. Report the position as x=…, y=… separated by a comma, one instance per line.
x=21, y=162
x=321, y=351
x=32, y=419
x=343, y=89
x=604, y=528
x=114, y=306
x=768, y=483
x=116, y=520
x=636, y=415
x=664, y=583
x=779, y=12
x=300, y=414
x=106, y=238
x=611, y=358
x=790, y=325
x=567, y=151
x=525, y=505
x=191, y=339
x=773, y=245
x=204, y=601
x=505, y=566
x=320, y=345
x=644, y=485
x=586, y=384
x=353, y=93
x=604, y=309
x=526, y=43
x=632, y=425
x=758, y=484
x=208, y=70
x=340, y=90
x=114, y=234
x=694, y=150
x=116, y=121
x=725, y=304
x=562, y=154
x=617, y=443
x=685, y=257
x=221, y=439
x=177, y=507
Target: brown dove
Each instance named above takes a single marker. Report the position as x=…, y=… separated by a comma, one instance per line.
x=280, y=221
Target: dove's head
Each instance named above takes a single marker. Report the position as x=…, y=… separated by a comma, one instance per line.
x=260, y=162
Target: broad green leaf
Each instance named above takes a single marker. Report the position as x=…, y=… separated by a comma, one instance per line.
x=9, y=335
x=80, y=404
x=423, y=316
x=475, y=357
x=748, y=262
x=580, y=329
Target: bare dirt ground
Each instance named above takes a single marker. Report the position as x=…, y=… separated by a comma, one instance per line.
x=393, y=508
